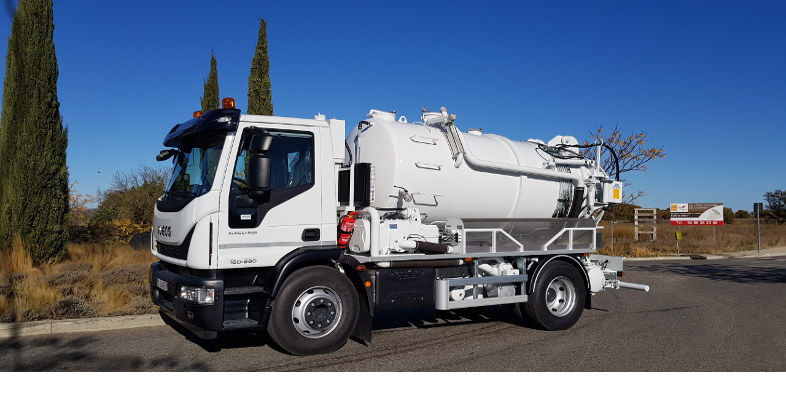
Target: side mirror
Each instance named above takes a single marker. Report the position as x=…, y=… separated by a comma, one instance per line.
x=259, y=165
x=165, y=155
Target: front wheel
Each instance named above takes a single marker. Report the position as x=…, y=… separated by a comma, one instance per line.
x=557, y=300
x=315, y=312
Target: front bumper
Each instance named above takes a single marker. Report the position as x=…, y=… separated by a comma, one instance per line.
x=196, y=317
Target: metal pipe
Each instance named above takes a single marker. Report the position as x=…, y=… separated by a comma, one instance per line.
x=632, y=286
x=351, y=201
x=419, y=263
x=510, y=168
x=570, y=162
x=373, y=215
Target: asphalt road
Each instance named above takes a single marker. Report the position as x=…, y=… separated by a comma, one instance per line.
x=700, y=315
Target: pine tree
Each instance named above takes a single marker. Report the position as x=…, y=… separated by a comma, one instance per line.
x=260, y=96
x=33, y=140
x=210, y=96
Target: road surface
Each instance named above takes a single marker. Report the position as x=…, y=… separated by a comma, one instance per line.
x=700, y=315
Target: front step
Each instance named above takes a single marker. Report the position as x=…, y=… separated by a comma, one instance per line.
x=251, y=289
x=242, y=323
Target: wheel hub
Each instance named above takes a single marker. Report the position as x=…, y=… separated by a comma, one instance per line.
x=316, y=312
x=560, y=296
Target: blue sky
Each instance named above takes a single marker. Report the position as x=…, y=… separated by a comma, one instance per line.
x=705, y=79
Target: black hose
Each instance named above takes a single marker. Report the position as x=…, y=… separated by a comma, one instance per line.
x=578, y=202
x=616, y=161
x=428, y=247
x=581, y=146
x=346, y=145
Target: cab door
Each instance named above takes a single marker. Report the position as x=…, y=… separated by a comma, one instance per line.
x=258, y=232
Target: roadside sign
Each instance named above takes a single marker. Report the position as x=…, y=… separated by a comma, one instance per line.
x=696, y=213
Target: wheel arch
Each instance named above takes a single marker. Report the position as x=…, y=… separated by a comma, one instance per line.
x=299, y=258
x=572, y=260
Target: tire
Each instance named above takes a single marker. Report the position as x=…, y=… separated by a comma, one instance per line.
x=315, y=312
x=557, y=300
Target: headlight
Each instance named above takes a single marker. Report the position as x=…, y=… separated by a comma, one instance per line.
x=197, y=295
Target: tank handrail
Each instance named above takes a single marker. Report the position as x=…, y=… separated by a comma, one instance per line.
x=493, y=232
x=570, y=231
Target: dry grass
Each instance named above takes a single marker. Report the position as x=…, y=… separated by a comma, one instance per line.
x=33, y=296
x=102, y=257
x=92, y=280
x=740, y=236
x=17, y=259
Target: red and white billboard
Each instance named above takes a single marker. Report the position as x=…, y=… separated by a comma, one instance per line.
x=696, y=213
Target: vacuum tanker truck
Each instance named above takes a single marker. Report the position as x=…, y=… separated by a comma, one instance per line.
x=293, y=227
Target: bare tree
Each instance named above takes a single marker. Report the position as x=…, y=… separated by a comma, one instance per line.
x=632, y=154
x=133, y=194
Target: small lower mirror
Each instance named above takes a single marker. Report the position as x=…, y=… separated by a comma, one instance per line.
x=244, y=201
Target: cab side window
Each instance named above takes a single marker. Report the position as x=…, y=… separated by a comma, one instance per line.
x=291, y=162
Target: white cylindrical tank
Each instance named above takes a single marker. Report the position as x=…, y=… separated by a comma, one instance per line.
x=418, y=159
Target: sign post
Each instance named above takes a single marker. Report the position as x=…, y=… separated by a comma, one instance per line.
x=679, y=237
x=757, y=207
x=612, y=237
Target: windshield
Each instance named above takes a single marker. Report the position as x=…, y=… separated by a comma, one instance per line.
x=193, y=172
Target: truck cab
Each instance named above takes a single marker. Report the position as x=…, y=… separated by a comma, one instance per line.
x=225, y=245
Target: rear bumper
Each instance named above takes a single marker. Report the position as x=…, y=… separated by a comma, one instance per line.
x=203, y=320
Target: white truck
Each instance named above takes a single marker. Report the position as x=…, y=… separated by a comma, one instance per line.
x=284, y=225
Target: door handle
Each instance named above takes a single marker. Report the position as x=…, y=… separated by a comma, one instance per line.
x=310, y=234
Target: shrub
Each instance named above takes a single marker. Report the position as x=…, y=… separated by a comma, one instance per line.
x=73, y=307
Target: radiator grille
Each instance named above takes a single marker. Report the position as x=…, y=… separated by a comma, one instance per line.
x=175, y=251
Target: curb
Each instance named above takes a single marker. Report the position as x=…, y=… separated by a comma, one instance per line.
x=12, y=330
x=703, y=257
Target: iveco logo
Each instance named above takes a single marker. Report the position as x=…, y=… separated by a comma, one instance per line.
x=165, y=231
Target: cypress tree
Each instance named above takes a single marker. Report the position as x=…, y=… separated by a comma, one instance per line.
x=260, y=97
x=210, y=95
x=33, y=140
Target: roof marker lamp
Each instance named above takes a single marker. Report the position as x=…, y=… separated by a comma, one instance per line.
x=228, y=102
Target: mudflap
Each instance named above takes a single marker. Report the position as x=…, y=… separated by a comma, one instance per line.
x=362, y=331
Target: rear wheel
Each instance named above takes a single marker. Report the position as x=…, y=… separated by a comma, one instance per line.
x=315, y=312
x=557, y=299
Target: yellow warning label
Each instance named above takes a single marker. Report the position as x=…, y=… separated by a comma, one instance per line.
x=617, y=194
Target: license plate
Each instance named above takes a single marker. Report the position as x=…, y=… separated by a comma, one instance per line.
x=161, y=284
